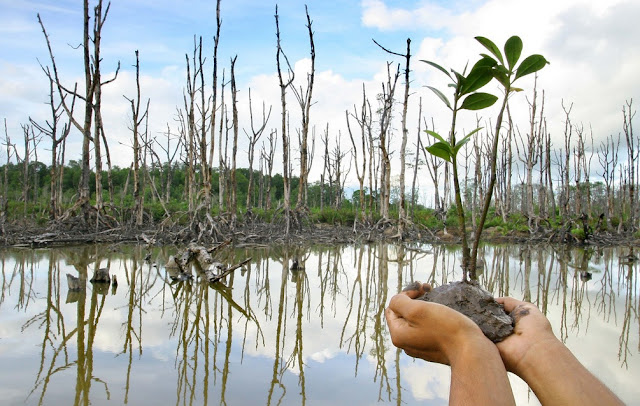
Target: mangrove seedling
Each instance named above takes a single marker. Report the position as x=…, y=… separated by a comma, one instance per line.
x=506, y=70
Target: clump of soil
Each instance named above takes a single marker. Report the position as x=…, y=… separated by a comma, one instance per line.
x=475, y=303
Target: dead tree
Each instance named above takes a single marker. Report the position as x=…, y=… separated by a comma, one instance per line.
x=386, y=113
x=222, y=153
x=91, y=99
x=284, y=84
x=256, y=133
x=214, y=86
x=136, y=121
x=548, y=173
x=304, y=100
x=268, y=156
x=608, y=158
x=433, y=166
x=632, y=157
x=416, y=163
x=58, y=135
x=564, y=166
x=170, y=154
x=364, y=121
x=402, y=214
x=4, y=202
x=189, y=96
x=234, y=151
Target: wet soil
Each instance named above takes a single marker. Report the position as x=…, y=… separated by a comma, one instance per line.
x=477, y=304
x=254, y=232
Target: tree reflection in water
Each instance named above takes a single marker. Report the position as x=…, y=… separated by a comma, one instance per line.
x=276, y=335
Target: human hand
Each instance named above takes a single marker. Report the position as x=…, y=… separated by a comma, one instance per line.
x=427, y=330
x=532, y=332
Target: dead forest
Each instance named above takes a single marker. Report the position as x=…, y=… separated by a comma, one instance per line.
x=186, y=185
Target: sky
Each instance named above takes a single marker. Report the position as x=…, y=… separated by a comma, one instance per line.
x=592, y=48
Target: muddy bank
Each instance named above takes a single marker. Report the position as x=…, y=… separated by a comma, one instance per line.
x=252, y=232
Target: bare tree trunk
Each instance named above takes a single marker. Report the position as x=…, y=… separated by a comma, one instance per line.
x=386, y=112
x=221, y=153
x=253, y=139
x=268, y=156
x=234, y=151
x=214, y=86
x=608, y=158
x=137, y=118
x=632, y=156
x=304, y=100
x=364, y=121
x=52, y=130
x=416, y=163
x=285, y=134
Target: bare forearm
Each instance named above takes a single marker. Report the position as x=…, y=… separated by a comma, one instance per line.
x=558, y=378
x=478, y=376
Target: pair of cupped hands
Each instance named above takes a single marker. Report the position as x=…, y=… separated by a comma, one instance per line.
x=436, y=333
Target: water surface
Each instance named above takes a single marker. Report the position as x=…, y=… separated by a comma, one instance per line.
x=275, y=336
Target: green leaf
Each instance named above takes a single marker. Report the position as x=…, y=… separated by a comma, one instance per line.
x=478, y=101
x=441, y=96
x=531, y=64
x=513, y=50
x=435, y=65
x=502, y=78
x=463, y=141
x=435, y=135
x=479, y=76
x=487, y=43
x=441, y=150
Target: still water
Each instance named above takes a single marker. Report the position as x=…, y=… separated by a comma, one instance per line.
x=273, y=336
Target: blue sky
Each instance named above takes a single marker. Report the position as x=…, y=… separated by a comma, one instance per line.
x=592, y=47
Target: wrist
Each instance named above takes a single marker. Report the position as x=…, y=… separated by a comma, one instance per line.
x=467, y=346
x=539, y=356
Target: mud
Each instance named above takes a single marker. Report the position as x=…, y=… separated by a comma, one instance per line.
x=477, y=304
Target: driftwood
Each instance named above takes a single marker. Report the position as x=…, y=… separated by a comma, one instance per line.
x=213, y=271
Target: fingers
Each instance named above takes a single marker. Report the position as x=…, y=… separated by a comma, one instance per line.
x=509, y=303
x=416, y=289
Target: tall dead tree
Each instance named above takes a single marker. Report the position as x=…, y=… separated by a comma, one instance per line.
x=304, y=100
x=284, y=84
x=136, y=121
x=268, y=156
x=608, y=158
x=58, y=135
x=256, y=133
x=214, y=95
x=364, y=122
x=91, y=98
x=564, y=166
x=222, y=153
x=632, y=158
x=4, y=202
x=385, y=115
x=433, y=166
x=234, y=150
x=416, y=163
x=402, y=213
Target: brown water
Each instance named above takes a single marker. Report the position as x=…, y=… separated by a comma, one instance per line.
x=274, y=336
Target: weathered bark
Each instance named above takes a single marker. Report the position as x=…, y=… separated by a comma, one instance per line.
x=632, y=156
x=285, y=133
x=256, y=133
x=137, y=118
x=305, y=102
x=386, y=112
x=234, y=151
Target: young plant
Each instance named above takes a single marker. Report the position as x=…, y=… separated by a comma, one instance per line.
x=487, y=68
